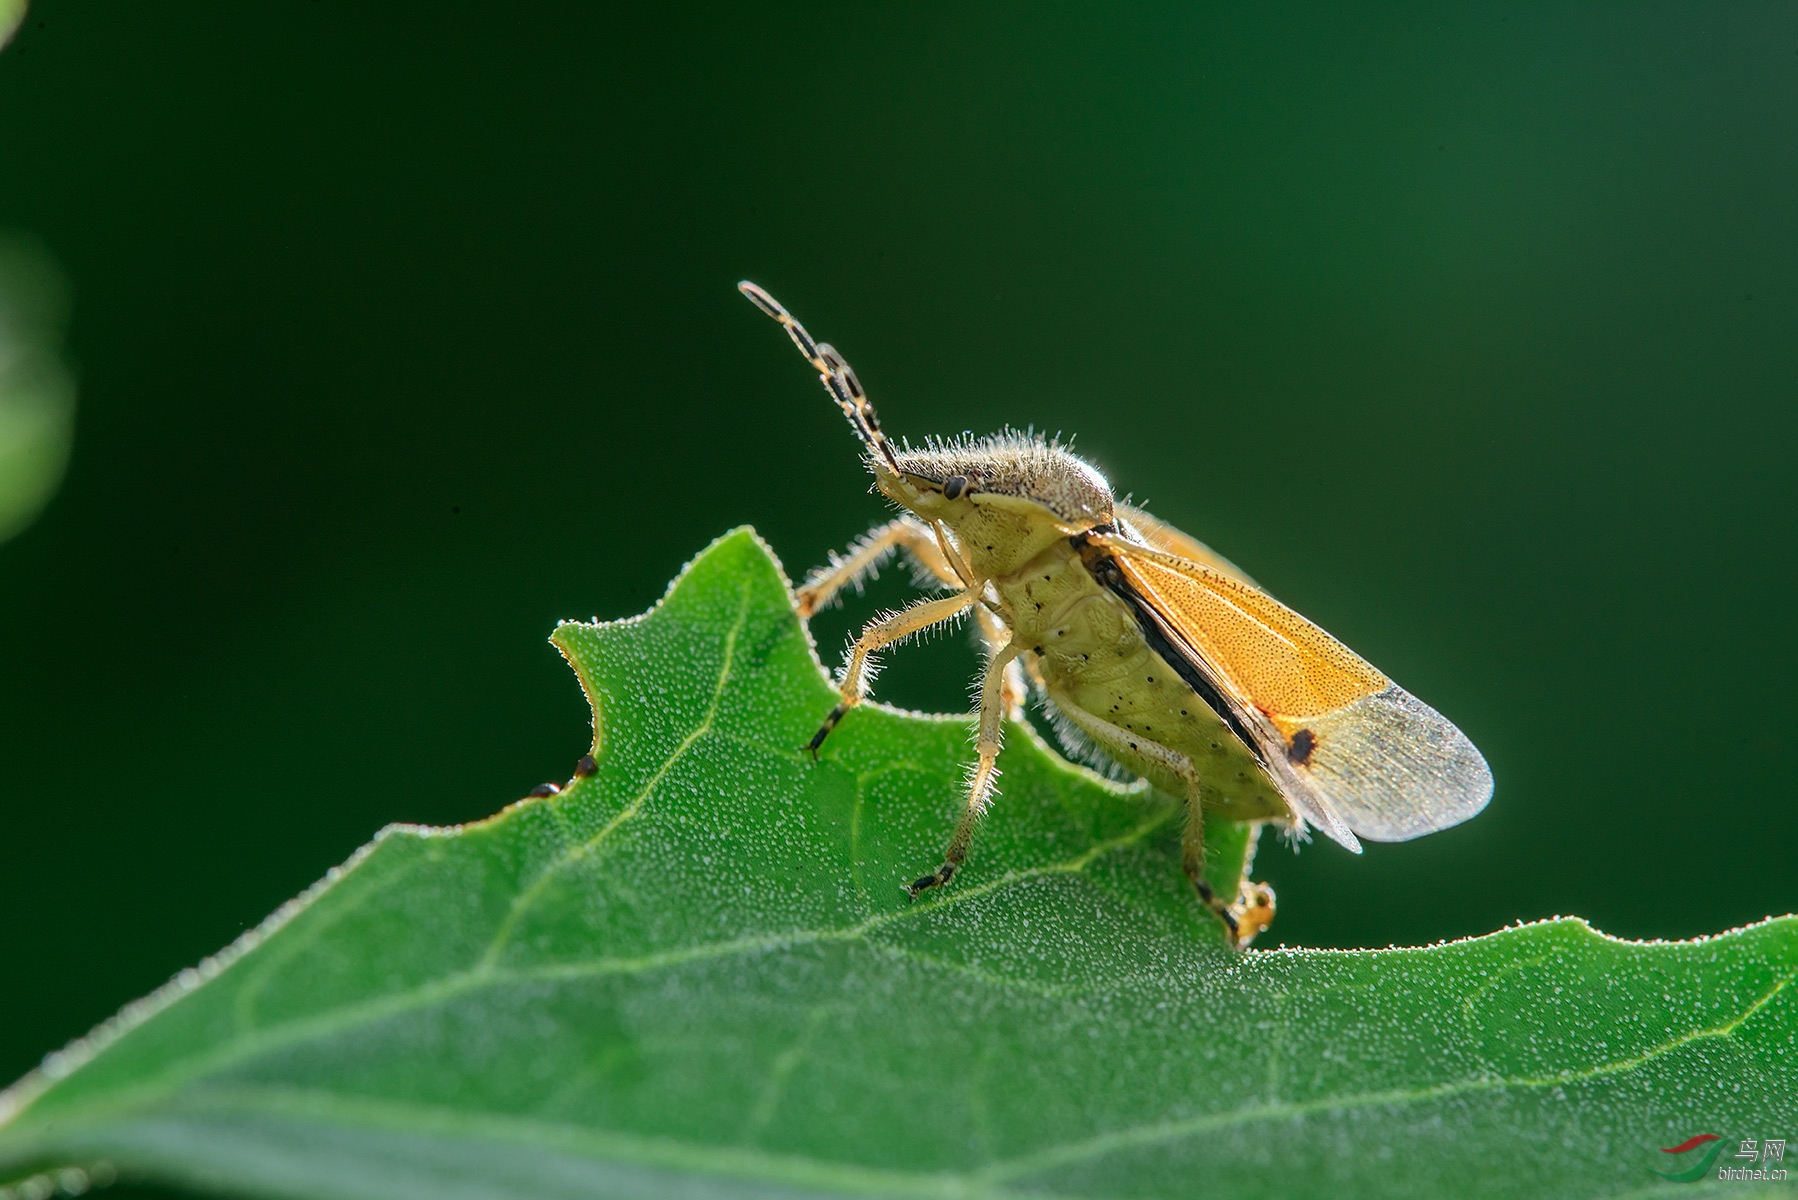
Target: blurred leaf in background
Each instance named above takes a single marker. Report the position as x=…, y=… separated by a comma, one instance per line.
x=37, y=392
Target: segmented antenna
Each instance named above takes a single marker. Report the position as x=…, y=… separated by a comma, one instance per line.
x=837, y=376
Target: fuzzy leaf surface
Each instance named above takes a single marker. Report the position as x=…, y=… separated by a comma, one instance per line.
x=694, y=973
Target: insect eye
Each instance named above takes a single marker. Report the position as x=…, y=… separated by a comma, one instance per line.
x=955, y=487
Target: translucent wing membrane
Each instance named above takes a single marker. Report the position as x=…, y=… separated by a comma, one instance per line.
x=1354, y=752
x=1394, y=768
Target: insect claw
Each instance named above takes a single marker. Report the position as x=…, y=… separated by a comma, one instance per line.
x=1227, y=913
x=830, y=723
x=943, y=875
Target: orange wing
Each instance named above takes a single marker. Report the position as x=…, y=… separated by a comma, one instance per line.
x=1162, y=536
x=1354, y=753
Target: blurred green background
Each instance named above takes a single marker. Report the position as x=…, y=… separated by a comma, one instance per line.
x=404, y=331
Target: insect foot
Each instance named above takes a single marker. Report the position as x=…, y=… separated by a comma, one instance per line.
x=830, y=723
x=943, y=875
x=1223, y=912
x=1252, y=913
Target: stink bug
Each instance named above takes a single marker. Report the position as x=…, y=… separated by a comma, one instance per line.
x=1146, y=648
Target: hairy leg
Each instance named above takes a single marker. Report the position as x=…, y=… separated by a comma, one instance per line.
x=1251, y=910
x=1012, y=688
x=919, y=542
x=986, y=767
x=866, y=555
x=884, y=632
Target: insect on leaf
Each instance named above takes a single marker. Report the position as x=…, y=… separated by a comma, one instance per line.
x=1354, y=752
x=694, y=972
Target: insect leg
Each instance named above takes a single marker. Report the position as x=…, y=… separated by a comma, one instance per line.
x=980, y=786
x=1012, y=689
x=884, y=632
x=1035, y=672
x=869, y=552
x=1252, y=909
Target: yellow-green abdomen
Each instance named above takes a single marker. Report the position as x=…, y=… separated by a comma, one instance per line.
x=1096, y=663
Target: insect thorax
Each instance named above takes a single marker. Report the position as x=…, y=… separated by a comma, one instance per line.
x=1005, y=498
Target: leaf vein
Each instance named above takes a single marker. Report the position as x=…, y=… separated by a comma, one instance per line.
x=522, y=903
x=329, y=1022
x=1159, y=1133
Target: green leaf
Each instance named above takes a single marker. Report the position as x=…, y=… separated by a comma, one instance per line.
x=37, y=393
x=12, y=13
x=693, y=973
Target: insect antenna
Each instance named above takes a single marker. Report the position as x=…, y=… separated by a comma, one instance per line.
x=837, y=375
